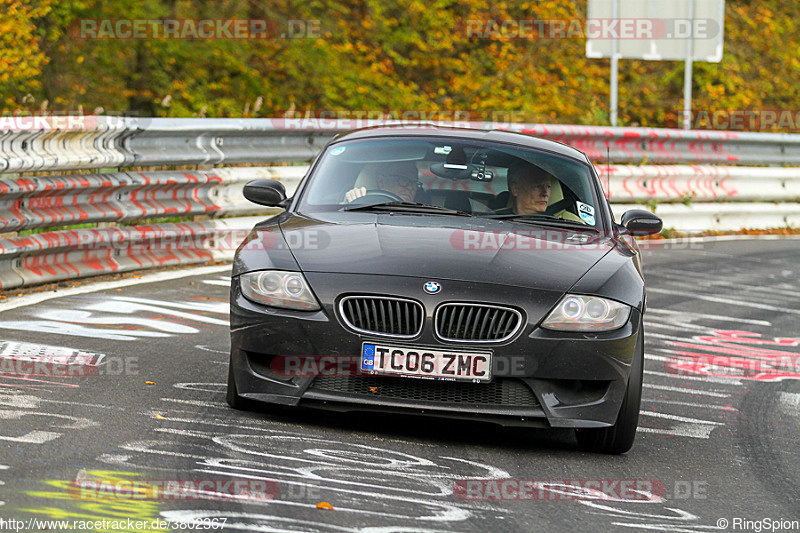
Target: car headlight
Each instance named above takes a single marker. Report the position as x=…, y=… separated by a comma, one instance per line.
x=587, y=313
x=276, y=288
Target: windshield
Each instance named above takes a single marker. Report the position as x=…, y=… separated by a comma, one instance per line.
x=474, y=177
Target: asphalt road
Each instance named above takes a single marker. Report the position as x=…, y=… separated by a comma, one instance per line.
x=719, y=432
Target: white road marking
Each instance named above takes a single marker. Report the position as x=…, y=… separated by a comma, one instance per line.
x=684, y=314
x=790, y=403
x=691, y=404
x=136, y=305
x=729, y=301
x=87, y=318
x=704, y=281
x=19, y=401
x=31, y=299
x=676, y=326
x=708, y=379
x=204, y=387
x=221, y=308
x=197, y=403
x=76, y=330
x=76, y=422
x=672, y=528
x=687, y=391
x=694, y=431
x=33, y=437
x=207, y=349
x=679, y=418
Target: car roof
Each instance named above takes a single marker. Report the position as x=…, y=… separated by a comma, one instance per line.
x=432, y=130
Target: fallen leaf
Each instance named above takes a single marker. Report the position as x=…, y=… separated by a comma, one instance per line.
x=324, y=505
x=374, y=389
x=159, y=417
x=191, y=283
x=149, y=382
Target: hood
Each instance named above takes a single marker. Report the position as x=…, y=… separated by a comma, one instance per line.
x=440, y=248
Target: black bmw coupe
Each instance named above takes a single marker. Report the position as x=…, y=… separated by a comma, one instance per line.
x=447, y=272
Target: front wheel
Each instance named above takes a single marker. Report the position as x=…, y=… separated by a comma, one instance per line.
x=619, y=437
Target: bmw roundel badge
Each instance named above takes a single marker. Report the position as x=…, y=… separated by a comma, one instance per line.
x=431, y=287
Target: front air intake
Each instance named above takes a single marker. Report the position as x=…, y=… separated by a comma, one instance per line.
x=382, y=315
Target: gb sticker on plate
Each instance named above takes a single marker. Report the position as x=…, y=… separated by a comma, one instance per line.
x=586, y=212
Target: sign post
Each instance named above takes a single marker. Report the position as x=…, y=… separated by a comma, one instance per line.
x=687, y=72
x=614, y=67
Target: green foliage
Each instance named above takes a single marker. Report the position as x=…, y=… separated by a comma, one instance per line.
x=376, y=55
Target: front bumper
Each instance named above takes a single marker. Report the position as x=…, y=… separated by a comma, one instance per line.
x=541, y=378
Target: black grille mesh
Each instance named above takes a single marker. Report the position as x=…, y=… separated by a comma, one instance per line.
x=466, y=322
x=500, y=391
x=389, y=316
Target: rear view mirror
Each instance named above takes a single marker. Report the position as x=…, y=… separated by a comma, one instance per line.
x=640, y=222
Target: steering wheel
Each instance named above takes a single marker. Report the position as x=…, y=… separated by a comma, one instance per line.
x=379, y=193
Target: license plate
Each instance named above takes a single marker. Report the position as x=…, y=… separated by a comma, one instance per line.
x=426, y=363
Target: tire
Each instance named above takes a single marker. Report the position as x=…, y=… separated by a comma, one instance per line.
x=619, y=437
x=231, y=395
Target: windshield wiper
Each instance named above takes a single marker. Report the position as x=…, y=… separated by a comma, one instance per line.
x=541, y=218
x=406, y=207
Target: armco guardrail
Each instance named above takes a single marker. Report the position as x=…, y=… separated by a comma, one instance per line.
x=689, y=197
x=700, y=183
x=722, y=216
x=28, y=203
x=58, y=143
x=59, y=255
x=39, y=202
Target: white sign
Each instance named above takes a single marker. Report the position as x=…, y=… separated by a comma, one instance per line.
x=656, y=29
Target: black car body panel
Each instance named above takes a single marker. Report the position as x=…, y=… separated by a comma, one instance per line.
x=540, y=377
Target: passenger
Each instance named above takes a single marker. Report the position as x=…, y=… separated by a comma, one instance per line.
x=529, y=188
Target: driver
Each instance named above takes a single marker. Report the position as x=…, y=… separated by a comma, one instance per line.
x=398, y=179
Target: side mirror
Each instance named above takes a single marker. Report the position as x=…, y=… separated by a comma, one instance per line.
x=641, y=222
x=265, y=192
